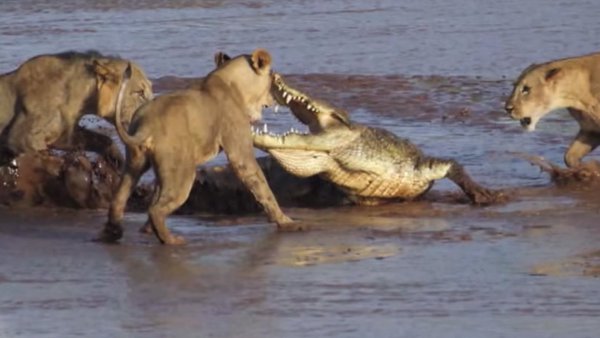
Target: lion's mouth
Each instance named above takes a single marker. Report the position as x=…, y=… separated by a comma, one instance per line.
x=525, y=122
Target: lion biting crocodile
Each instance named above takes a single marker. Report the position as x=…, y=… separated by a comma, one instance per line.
x=371, y=165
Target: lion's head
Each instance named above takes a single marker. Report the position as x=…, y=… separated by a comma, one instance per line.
x=109, y=75
x=538, y=91
x=250, y=76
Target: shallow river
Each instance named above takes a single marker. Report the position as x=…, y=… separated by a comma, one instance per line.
x=434, y=71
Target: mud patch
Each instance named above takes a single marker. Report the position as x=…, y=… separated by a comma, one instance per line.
x=456, y=99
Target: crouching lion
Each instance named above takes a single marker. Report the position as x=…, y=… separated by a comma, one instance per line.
x=178, y=131
x=571, y=83
x=42, y=101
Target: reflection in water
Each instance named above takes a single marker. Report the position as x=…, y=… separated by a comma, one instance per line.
x=586, y=264
x=174, y=289
x=305, y=255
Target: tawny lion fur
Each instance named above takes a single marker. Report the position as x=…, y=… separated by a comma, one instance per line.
x=42, y=101
x=570, y=83
x=178, y=131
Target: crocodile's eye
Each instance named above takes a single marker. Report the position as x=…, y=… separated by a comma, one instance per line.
x=525, y=90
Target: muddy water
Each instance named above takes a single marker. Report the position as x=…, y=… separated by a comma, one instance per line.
x=433, y=71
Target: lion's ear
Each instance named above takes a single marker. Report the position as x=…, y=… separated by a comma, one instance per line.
x=261, y=60
x=105, y=71
x=100, y=69
x=551, y=74
x=221, y=58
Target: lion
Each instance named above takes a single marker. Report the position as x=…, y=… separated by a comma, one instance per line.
x=571, y=83
x=178, y=131
x=42, y=101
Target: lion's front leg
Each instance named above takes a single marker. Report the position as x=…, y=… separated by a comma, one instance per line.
x=582, y=145
x=248, y=171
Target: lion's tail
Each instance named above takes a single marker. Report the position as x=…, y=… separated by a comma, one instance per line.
x=129, y=140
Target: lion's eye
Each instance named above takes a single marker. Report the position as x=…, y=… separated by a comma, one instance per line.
x=525, y=90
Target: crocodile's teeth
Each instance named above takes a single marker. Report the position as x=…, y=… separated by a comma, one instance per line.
x=288, y=99
x=265, y=128
x=309, y=107
x=276, y=109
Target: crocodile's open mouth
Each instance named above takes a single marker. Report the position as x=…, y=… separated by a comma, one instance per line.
x=265, y=130
x=318, y=116
x=314, y=113
x=302, y=106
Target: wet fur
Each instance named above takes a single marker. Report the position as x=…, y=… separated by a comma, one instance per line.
x=43, y=100
x=178, y=131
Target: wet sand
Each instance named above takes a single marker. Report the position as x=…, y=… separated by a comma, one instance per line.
x=428, y=268
x=419, y=269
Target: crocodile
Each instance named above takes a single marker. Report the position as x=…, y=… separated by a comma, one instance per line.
x=371, y=165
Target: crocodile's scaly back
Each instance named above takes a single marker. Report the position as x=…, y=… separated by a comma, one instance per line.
x=379, y=164
x=369, y=164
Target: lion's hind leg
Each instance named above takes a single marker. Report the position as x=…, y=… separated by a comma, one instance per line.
x=137, y=164
x=175, y=182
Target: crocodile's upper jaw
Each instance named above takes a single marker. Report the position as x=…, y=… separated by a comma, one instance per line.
x=317, y=115
x=305, y=154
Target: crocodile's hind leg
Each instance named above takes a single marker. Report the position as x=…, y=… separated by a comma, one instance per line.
x=443, y=168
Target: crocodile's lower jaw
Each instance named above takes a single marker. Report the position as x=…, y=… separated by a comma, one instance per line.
x=302, y=163
x=264, y=130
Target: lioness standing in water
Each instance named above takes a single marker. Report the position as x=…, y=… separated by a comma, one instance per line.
x=178, y=131
x=42, y=101
x=571, y=83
